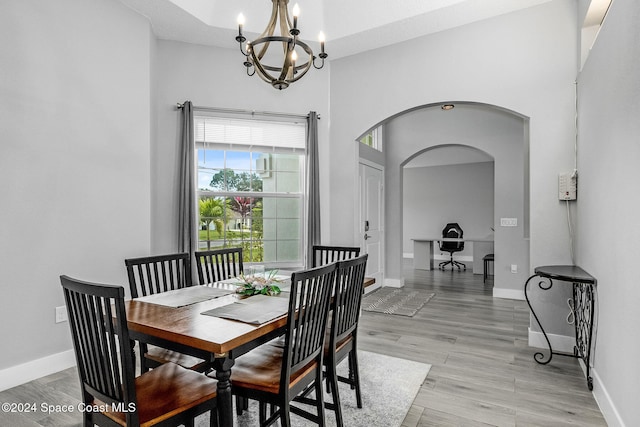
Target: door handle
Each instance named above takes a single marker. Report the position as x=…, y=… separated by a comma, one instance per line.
x=366, y=236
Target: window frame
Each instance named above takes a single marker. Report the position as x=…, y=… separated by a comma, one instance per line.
x=301, y=195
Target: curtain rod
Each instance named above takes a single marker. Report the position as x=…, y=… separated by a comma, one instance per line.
x=179, y=106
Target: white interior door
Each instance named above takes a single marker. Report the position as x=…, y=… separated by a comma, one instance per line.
x=372, y=220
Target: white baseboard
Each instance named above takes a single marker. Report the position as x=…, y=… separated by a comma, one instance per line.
x=20, y=374
x=439, y=257
x=561, y=343
x=508, y=293
x=394, y=283
x=372, y=288
x=604, y=401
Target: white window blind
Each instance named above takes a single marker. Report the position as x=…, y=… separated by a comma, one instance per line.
x=244, y=134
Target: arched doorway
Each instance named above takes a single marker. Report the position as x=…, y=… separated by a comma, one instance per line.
x=501, y=134
x=449, y=184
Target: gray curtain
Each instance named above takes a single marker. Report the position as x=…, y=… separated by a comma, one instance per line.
x=187, y=214
x=313, y=186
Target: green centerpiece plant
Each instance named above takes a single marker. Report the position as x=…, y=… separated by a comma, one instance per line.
x=259, y=284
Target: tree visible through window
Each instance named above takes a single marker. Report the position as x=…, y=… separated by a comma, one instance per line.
x=373, y=138
x=251, y=188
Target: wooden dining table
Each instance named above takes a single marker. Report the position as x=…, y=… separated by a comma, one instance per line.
x=215, y=339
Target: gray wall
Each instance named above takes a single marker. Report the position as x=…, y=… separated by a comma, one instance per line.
x=497, y=133
x=506, y=62
x=214, y=77
x=74, y=160
x=608, y=198
x=433, y=196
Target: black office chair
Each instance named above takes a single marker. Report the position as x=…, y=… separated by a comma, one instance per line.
x=452, y=230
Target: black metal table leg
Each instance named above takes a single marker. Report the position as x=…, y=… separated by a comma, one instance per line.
x=583, y=298
x=539, y=356
x=583, y=307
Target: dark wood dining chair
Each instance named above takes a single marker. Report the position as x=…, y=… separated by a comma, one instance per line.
x=106, y=367
x=152, y=275
x=219, y=264
x=275, y=374
x=323, y=255
x=342, y=333
x=343, y=330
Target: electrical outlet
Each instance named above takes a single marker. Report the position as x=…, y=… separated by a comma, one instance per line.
x=61, y=314
x=514, y=268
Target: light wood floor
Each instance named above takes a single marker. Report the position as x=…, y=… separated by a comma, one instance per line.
x=483, y=371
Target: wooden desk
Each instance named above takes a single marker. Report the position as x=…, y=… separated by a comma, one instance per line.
x=217, y=340
x=425, y=247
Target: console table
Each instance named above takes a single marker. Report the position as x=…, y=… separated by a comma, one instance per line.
x=583, y=309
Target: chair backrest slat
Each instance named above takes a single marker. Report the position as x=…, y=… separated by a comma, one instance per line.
x=219, y=264
x=323, y=255
x=160, y=273
x=100, y=337
x=348, y=297
x=309, y=303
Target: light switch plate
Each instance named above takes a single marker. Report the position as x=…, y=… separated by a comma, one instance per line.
x=508, y=222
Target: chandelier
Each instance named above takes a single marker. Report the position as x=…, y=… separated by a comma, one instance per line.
x=279, y=67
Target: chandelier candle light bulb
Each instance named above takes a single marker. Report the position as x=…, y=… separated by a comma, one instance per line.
x=296, y=13
x=240, y=23
x=321, y=38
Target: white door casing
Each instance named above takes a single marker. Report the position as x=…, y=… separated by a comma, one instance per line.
x=371, y=221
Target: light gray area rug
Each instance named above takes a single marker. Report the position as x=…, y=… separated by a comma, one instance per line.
x=400, y=301
x=389, y=386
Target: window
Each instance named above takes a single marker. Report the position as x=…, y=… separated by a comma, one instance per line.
x=251, y=188
x=373, y=138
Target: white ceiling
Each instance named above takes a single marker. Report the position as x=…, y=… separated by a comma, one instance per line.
x=350, y=27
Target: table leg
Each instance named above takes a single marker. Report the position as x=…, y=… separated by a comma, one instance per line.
x=222, y=364
x=542, y=284
x=583, y=307
x=432, y=246
x=422, y=255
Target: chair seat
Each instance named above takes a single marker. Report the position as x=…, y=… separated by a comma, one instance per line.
x=260, y=369
x=162, y=355
x=340, y=345
x=166, y=390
